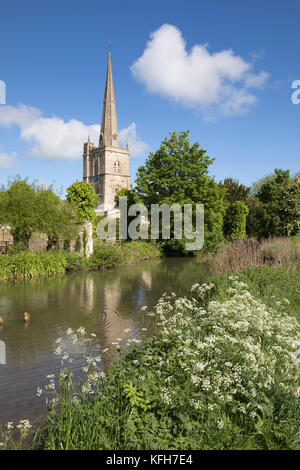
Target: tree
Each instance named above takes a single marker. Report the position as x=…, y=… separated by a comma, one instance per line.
x=58, y=219
x=132, y=197
x=272, y=194
x=178, y=173
x=18, y=209
x=291, y=206
x=26, y=209
x=234, y=192
x=257, y=185
x=239, y=217
x=82, y=196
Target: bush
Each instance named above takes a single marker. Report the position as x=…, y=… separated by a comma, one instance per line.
x=27, y=265
x=75, y=262
x=239, y=217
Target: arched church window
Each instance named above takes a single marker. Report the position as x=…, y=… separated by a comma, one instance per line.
x=116, y=167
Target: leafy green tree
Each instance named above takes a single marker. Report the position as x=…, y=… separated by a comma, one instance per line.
x=178, y=173
x=239, y=217
x=26, y=209
x=132, y=197
x=58, y=219
x=235, y=191
x=291, y=206
x=82, y=196
x=18, y=209
x=255, y=217
x=257, y=185
x=276, y=219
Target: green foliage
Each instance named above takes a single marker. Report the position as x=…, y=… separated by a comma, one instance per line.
x=279, y=198
x=256, y=186
x=75, y=262
x=82, y=196
x=291, y=206
x=178, y=173
x=273, y=203
x=270, y=284
x=27, y=209
x=239, y=216
x=77, y=245
x=27, y=265
x=109, y=255
x=105, y=256
x=132, y=197
x=18, y=206
x=234, y=192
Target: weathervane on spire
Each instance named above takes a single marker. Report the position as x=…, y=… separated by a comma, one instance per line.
x=109, y=43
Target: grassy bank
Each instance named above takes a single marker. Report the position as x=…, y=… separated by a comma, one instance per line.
x=269, y=283
x=28, y=265
x=241, y=254
x=218, y=374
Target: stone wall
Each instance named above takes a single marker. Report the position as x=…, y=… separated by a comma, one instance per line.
x=38, y=241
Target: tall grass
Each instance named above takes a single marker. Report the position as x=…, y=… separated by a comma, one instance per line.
x=27, y=265
x=241, y=254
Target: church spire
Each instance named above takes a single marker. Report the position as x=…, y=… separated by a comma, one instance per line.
x=109, y=127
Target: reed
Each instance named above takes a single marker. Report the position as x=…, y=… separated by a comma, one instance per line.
x=241, y=254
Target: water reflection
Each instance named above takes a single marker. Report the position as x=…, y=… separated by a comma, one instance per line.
x=104, y=303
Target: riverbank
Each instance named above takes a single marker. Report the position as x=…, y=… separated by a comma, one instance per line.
x=27, y=265
x=217, y=374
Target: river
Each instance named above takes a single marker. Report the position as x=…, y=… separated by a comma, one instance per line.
x=104, y=303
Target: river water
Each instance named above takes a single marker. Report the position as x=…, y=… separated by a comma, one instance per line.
x=105, y=303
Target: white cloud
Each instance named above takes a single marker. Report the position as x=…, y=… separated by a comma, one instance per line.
x=137, y=147
x=7, y=161
x=51, y=137
x=217, y=81
x=54, y=138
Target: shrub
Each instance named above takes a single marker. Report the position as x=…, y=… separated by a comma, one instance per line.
x=105, y=256
x=75, y=262
x=239, y=217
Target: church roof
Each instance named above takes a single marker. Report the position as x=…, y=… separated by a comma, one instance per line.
x=109, y=127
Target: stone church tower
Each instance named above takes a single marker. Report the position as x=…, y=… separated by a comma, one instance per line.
x=107, y=167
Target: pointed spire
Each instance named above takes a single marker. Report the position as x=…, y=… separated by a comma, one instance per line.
x=109, y=127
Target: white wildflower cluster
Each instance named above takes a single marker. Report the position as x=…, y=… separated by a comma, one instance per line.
x=202, y=289
x=91, y=374
x=23, y=427
x=235, y=353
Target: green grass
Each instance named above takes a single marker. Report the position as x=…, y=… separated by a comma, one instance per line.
x=27, y=265
x=269, y=283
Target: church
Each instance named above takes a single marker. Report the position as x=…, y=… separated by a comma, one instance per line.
x=106, y=167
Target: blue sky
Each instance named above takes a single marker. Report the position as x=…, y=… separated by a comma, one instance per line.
x=237, y=104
